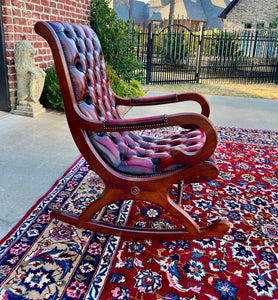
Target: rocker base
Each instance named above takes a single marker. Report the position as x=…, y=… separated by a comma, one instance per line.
x=218, y=227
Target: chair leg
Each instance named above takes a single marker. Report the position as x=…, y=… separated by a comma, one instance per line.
x=108, y=196
x=191, y=229
x=179, y=192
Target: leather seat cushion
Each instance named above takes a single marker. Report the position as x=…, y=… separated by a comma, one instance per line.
x=131, y=153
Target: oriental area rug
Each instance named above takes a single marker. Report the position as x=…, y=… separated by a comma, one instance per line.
x=43, y=258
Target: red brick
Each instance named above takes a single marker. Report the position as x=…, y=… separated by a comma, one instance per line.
x=9, y=38
x=36, y=15
x=17, y=12
x=47, y=10
x=9, y=45
x=6, y=2
x=30, y=6
x=45, y=2
x=37, y=45
x=6, y=10
x=20, y=21
x=54, y=12
x=7, y=20
x=39, y=8
x=12, y=79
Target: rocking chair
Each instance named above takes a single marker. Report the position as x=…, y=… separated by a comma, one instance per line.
x=132, y=166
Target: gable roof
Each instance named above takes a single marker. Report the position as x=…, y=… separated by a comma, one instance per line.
x=224, y=13
x=206, y=11
x=212, y=9
x=195, y=10
x=183, y=8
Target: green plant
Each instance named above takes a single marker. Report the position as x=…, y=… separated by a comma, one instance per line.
x=117, y=38
x=51, y=95
x=174, y=46
x=122, y=88
x=225, y=45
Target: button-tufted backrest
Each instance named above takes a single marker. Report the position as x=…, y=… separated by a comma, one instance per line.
x=87, y=70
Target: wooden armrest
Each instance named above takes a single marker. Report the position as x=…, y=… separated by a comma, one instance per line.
x=194, y=121
x=185, y=120
x=166, y=99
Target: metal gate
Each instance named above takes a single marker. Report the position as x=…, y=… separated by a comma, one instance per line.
x=176, y=54
x=173, y=56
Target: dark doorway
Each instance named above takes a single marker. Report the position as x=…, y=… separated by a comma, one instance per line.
x=4, y=88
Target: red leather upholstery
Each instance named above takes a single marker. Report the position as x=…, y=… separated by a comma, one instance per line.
x=131, y=153
x=125, y=151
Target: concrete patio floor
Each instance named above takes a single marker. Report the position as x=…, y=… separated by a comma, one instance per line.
x=35, y=152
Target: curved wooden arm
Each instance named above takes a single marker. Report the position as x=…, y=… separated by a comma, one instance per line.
x=197, y=121
x=185, y=120
x=166, y=99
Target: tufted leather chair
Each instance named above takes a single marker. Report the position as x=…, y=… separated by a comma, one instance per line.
x=132, y=165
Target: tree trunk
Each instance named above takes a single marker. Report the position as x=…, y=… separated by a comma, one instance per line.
x=171, y=12
x=130, y=9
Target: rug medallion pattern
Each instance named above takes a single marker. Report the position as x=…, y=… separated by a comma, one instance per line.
x=44, y=258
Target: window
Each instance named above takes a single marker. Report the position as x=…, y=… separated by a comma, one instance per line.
x=247, y=25
x=273, y=25
x=260, y=26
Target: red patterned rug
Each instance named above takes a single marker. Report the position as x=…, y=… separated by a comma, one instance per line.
x=47, y=259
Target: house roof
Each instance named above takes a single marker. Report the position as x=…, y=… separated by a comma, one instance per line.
x=158, y=3
x=212, y=9
x=224, y=13
x=207, y=11
x=156, y=16
x=195, y=10
x=191, y=9
x=155, y=3
x=140, y=11
x=220, y=3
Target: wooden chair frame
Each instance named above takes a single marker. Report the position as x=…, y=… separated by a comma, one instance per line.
x=119, y=186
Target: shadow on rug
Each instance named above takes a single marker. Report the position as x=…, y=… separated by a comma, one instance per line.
x=47, y=259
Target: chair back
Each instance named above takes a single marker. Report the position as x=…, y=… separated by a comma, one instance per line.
x=86, y=92
x=87, y=70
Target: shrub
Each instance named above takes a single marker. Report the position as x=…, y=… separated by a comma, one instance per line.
x=117, y=38
x=51, y=96
x=122, y=88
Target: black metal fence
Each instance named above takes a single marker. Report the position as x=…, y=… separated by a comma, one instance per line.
x=177, y=54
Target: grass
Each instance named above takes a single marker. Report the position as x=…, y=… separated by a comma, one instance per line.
x=267, y=91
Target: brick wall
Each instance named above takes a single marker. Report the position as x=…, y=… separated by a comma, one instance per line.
x=251, y=12
x=19, y=18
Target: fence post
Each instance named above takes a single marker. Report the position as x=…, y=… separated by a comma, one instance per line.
x=149, y=54
x=276, y=74
x=253, y=54
x=199, y=56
